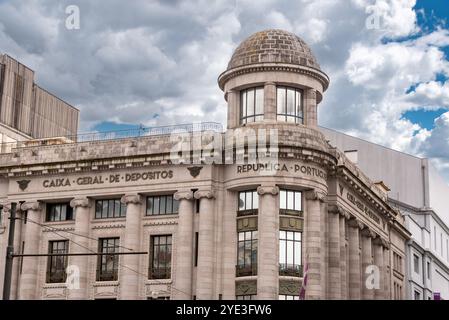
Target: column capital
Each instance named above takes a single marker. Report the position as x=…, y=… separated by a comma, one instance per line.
x=367, y=232
x=6, y=206
x=82, y=202
x=354, y=223
x=270, y=83
x=183, y=195
x=379, y=241
x=273, y=190
x=315, y=195
x=131, y=198
x=206, y=193
x=31, y=205
x=336, y=209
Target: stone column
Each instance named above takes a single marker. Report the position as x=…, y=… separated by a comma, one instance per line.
x=270, y=108
x=28, y=278
x=81, y=207
x=388, y=271
x=268, y=231
x=354, y=259
x=314, y=257
x=334, y=276
x=233, y=99
x=129, y=281
x=343, y=255
x=367, y=260
x=184, y=247
x=205, y=269
x=379, y=262
x=310, y=108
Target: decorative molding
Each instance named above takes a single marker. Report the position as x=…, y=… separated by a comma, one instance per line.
x=289, y=286
x=131, y=198
x=53, y=229
x=291, y=223
x=354, y=223
x=315, y=195
x=367, y=232
x=194, y=171
x=159, y=222
x=31, y=205
x=273, y=190
x=80, y=202
x=109, y=226
x=23, y=184
x=209, y=194
x=246, y=287
x=6, y=206
x=247, y=224
x=183, y=195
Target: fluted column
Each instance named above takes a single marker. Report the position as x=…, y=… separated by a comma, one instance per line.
x=343, y=255
x=334, y=276
x=270, y=101
x=81, y=207
x=129, y=282
x=367, y=260
x=268, y=261
x=354, y=259
x=28, y=278
x=314, y=251
x=205, y=269
x=379, y=262
x=184, y=247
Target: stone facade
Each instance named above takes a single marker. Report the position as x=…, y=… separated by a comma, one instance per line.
x=345, y=223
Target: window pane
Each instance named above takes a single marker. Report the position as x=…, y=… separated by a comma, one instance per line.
x=169, y=203
x=291, y=102
x=175, y=206
x=241, y=201
x=57, y=213
x=156, y=205
x=104, y=209
x=283, y=199
x=162, y=205
x=63, y=212
x=282, y=248
x=259, y=101
x=250, y=103
x=290, y=252
x=243, y=101
x=241, y=236
x=290, y=200
x=255, y=200
x=298, y=205
x=150, y=205
x=298, y=104
x=297, y=253
x=117, y=208
x=249, y=199
x=280, y=100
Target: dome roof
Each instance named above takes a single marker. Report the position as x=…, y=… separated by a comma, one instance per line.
x=273, y=46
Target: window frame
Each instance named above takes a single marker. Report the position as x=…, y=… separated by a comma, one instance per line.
x=108, y=275
x=56, y=274
x=252, y=209
x=168, y=198
x=255, y=117
x=286, y=210
x=51, y=207
x=155, y=272
x=298, y=116
x=105, y=213
x=247, y=269
x=286, y=268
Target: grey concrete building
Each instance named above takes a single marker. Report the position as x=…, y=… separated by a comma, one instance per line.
x=242, y=214
x=27, y=111
x=421, y=194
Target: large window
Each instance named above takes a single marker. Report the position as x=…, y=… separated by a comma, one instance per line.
x=111, y=208
x=108, y=263
x=416, y=263
x=59, y=212
x=251, y=105
x=160, y=205
x=290, y=253
x=289, y=105
x=56, y=265
x=247, y=254
x=248, y=202
x=160, y=263
x=290, y=202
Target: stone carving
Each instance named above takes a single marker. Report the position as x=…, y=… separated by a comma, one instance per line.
x=315, y=195
x=354, y=223
x=194, y=171
x=34, y=205
x=291, y=223
x=273, y=190
x=247, y=224
x=80, y=202
x=247, y=287
x=131, y=198
x=209, y=194
x=289, y=287
x=183, y=195
x=367, y=232
x=23, y=184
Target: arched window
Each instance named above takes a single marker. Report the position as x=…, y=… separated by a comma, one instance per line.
x=251, y=105
x=289, y=105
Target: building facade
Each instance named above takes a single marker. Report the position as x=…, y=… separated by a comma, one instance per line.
x=27, y=111
x=242, y=214
x=420, y=193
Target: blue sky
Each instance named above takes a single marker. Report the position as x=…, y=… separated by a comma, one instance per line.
x=156, y=62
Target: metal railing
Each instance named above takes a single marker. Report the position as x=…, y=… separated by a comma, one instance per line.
x=7, y=147
x=291, y=270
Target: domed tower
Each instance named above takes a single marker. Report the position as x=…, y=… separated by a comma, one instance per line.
x=273, y=77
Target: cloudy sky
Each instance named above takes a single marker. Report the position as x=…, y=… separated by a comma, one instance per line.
x=156, y=62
